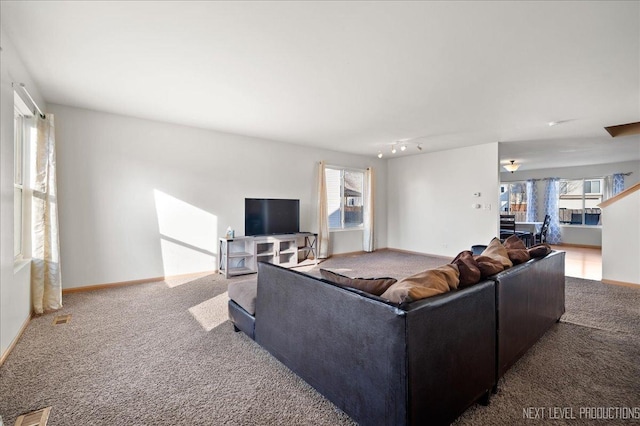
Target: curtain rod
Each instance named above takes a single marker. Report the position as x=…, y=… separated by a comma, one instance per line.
x=549, y=178
x=26, y=92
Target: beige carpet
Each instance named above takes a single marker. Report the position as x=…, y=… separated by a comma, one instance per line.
x=165, y=354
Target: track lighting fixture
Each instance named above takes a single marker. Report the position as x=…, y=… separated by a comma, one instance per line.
x=403, y=145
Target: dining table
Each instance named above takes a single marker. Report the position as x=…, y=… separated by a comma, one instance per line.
x=533, y=227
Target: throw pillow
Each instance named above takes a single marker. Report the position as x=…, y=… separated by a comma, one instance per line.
x=469, y=271
x=424, y=284
x=513, y=242
x=496, y=250
x=540, y=250
x=518, y=256
x=375, y=286
x=488, y=266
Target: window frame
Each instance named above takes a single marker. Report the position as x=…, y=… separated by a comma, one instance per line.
x=509, y=193
x=22, y=172
x=19, y=142
x=342, y=170
x=584, y=196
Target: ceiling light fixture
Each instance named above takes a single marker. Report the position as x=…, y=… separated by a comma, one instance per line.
x=401, y=144
x=512, y=167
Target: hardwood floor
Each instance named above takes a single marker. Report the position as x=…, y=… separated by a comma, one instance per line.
x=582, y=262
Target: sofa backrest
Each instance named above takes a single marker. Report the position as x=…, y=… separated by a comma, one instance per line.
x=530, y=298
x=452, y=341
x=350, y=348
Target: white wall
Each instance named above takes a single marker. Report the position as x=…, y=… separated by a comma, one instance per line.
x=141, y=199
x=15, y=303
x=431, y=196
x=581, y=235
x=621, y=240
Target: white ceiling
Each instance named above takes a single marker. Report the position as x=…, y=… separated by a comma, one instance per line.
x=351, y=76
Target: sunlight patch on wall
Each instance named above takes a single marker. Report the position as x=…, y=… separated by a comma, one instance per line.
x=188, y=236
x=211, y=313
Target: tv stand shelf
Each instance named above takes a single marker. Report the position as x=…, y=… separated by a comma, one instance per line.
x=240, y=255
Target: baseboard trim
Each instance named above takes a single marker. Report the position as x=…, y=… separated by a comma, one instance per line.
x=577, y=246
x=621, y=283
x=132, y=282
x=355, y=253
x=439, y=256
x=15, y=341
x=351, y=253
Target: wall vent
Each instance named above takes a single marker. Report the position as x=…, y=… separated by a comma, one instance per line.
x=35, y=418
x=62, y=319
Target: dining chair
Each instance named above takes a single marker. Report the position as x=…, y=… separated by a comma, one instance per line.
x=591, y=218
x=576, y=219
x=508, y=228
x=541, y=237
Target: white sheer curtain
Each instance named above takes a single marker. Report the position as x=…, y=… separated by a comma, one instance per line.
x=613, y=185
x=607, y=190
x=46, y=286
x=323, y=213
x=367, y=214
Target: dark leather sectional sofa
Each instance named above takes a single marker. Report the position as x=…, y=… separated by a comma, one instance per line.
x=423, y=363
x=529, y=300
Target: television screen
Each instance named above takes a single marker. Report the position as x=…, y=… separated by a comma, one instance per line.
x=264, y=216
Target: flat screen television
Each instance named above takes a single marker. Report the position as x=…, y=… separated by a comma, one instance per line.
x=268, y=216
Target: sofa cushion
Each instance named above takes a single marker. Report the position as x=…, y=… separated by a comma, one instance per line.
x=539, y=250
x=516, y=250
x=469, y=271
x=517, y=256
x=375, y=286
x=488, y=266
x=424, y=284
x=513, y=242
x=497, y=251
x=244, y=294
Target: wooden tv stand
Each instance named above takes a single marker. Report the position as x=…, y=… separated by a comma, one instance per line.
x=240, y=255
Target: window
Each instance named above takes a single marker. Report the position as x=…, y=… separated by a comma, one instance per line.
x=344, y=197
x=592, y=186
x=578, y=202
x=513, y=200
x=18, y=175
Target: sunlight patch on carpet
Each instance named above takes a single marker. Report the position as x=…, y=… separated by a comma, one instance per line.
x=172, y=282
x=341, y=270
x=211, y=313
